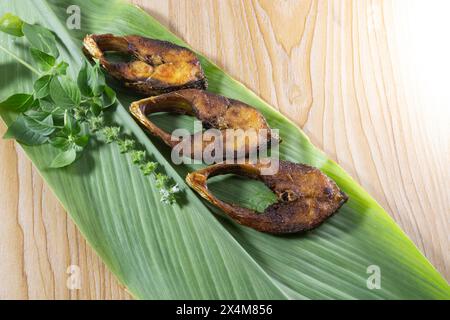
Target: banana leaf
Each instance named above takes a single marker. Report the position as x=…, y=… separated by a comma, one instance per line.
x=189, y=250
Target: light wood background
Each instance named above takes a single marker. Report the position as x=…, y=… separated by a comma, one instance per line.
x=367, y=80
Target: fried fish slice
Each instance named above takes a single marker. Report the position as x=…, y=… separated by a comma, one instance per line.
x=306, y=197
x=157, y=66
x=250, y=127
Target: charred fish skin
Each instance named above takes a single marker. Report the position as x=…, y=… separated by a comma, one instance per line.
x=158, y=66
x=306, y=196
x=214, y=111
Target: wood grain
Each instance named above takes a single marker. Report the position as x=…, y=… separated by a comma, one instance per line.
x=364, y=79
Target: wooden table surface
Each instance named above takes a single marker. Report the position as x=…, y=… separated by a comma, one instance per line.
x=367, y=81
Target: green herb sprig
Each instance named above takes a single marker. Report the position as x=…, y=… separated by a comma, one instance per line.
x=66, y=113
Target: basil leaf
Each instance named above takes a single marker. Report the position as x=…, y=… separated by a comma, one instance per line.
x=96, y=107
x=42, y=87
x=18, y=102
x=96, y=79
x=19, y=130
x=60, y=142
x=40, y=122
x=47, y=104
x=61, y=68
x=108, y=97
x=71, y=127
x=11, y=24
x=41, y=38
x=91, y=80
x=82, y=80
x=64, y=92
x=64, y=158
x=82, y=141
x=44, y=61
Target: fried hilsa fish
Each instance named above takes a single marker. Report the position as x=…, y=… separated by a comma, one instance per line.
x=306, y=196
x=156, y=66
x=214, y=111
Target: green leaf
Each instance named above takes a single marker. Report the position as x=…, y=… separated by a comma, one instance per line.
x=40, y=122
x=60, y=142
x=41, y=38
x=104, y=101
x=96, y=106
x=65, y=92
x=91, y=80
x=44, y=61
x=49, y=106
x=187, y=251
x=96, y=79
x=11, y=24
x=18, y=102
x=64, y=158
x=20, y=131
x=61, y=68
x=82, y=141
x=108, y=97
x=42, y=87
x=70, y=124
x=65, y=141
x=82, y=80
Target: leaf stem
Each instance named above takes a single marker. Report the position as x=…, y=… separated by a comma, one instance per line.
x=23, y=62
